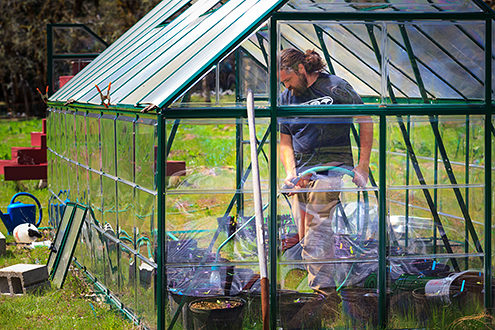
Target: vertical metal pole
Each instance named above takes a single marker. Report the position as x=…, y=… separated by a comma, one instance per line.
x=161, y=258
x=488, y=166
x=382, y=228
x=435, y=192
x=466, y=194
x=239, y=166
x=237, y=72
x=273, y=171
x=49, y=58
x=406, y=243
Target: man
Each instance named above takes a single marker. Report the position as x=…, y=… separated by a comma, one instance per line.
x=315, y=141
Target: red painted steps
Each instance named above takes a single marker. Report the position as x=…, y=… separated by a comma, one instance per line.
x=27, y=163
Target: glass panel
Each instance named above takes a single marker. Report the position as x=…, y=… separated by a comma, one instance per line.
x=444, y=53
x=83, y=248
x=83, y=184
x=125, y=215
x=146, y=223
x=109, y=203
x=60, y=236
x=214, y=34
x=423, y=294
x=135, y=39
x=108, y=144
x=380, y=6
x=95, y=194
x=128, y=278
x=67, y=249
x=93, y=140
x=125, y=148
x=350, y=52
x=97, y=251
x=146, y=148
x=111, y=263
x=81, y=143
x=207, y=149
x=327, y=222
x=146, y=293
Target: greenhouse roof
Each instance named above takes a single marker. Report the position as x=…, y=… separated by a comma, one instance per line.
x=156, y=61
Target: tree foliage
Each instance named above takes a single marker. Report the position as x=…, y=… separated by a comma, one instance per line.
x=23, y=46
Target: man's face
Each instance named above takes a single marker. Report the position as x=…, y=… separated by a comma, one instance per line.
x=294, y=81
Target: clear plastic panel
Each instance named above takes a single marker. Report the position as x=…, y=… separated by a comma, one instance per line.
x=423, y=293
x=93, y=140
x=125, y=147
x=107, y=131
x=146, y=151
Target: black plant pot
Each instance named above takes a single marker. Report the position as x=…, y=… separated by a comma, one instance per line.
x=300, y=310
x=213, y=314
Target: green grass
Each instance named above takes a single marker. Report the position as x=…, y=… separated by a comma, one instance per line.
x=73, y=307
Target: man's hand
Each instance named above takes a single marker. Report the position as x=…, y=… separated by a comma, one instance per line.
x=361, y=173
x=301, y=183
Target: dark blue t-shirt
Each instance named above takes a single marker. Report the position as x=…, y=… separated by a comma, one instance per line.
x=321, y=140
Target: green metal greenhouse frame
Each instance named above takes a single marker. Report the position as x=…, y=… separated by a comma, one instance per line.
x=85, y=103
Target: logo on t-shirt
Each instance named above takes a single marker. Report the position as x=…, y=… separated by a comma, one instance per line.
x=325, y=100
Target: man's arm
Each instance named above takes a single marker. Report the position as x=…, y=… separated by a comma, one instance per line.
x=287, y=157
x=361, y=171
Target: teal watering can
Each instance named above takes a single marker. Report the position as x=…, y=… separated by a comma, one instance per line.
x=19, y=213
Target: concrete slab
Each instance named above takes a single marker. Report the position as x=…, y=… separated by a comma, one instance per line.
x=22, y=278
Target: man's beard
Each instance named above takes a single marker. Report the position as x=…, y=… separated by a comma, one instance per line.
x=302, y=86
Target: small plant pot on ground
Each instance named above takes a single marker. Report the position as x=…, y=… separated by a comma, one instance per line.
x=220, y=313
x=300, y=310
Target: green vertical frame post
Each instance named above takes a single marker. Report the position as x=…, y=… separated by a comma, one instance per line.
x=161, y=258
x=273, y=171
x=382, y=227
x=488, y=166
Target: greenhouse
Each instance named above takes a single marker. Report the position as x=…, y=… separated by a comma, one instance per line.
x=373, y=139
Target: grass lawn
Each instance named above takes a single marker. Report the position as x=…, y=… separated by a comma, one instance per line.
x=75, y=306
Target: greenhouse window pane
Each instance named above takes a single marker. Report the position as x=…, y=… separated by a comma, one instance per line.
x=125, y=147
x=419, y=6
x=133, y=37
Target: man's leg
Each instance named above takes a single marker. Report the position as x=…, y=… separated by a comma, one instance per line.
x=318, y=242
